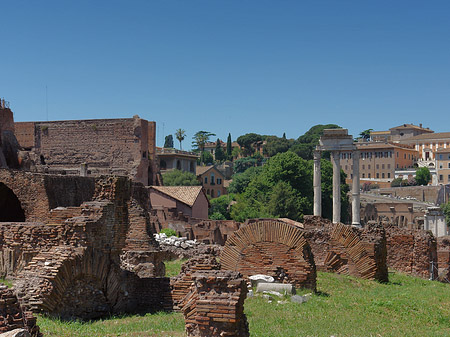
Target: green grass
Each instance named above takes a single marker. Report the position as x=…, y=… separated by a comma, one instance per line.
x=173, y=268
x=343, y=306
x=6, y=282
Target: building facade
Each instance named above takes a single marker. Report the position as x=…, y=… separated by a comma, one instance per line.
x=212, y=180
x=442, y=156
x=171, y=159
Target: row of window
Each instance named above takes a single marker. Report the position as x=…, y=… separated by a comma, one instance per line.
x=441, y=157
x=214, y=181
x=442, y=165
x=441, y=177
x=377, y=154
x=378, y=175
x=211, y=193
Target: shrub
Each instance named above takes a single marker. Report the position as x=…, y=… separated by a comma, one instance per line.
x=169, y=232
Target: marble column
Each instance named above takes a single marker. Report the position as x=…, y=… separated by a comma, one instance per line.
x=317, y=185
x=335, y=158
x=356, y=216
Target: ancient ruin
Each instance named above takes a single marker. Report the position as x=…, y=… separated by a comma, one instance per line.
x=271, y=247
x=214, y=305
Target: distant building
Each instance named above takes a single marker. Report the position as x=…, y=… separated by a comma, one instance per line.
x=399, y=133
x=170, y=159
x=191, y=201
x=212, y=180
x=428, y=144
x=379, y=161
x=442, y=156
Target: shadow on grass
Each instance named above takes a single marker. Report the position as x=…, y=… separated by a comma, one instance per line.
x=322, y=294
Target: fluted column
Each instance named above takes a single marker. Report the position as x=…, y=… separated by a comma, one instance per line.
x=317, y=185
x=356, y=215
x=336, y=186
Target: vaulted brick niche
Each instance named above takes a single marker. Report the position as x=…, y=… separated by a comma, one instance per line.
x=11, y=209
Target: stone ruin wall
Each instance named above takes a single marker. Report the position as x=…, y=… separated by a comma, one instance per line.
x=443, y=258
x=214, y=305
x=121, y=146
x=411, y=251
x=12, y=315
x=103, y=249
x=347, y=250
x=271, y=247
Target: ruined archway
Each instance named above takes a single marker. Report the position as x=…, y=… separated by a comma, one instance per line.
x=69, y=283
x=357, y=252
x=271, y=247
x=11, y=209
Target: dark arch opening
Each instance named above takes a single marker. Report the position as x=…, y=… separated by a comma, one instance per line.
x=11, y=210
x=162, y=165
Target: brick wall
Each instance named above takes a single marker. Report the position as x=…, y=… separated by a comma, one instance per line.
x=411, y=251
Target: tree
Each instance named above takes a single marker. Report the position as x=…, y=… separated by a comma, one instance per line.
x=446, y=210
x=229, y=147
x=275, y=145
x=365, y=135
x=200, y=139
x=168, y=141
x=220, y=205
x=206, y=158
x=179, y=178
x=180, y=134
x=240, y=181
x=247, y=141
x=304, y=146
x=423, y=176
x=218, y=152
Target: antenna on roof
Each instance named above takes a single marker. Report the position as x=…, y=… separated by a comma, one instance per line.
x=46, y=101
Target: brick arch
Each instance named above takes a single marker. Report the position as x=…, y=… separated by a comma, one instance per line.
x=351, y=255
x=271, y=247
x=69, y=283
x=10, y=205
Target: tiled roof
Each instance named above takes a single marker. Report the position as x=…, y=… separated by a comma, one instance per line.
x=430, y=136
x=380, y=145
x=410, y=126
x=202, y=169
x=186, y=194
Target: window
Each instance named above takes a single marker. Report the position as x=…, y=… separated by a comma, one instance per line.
x=441, y=165
x=382, y=166
x=219, y=181
x=368, y=166
x=369, y=175
x=448, y=178
x=364, y=167
x=448, y=165
x=212, y=180
x=378, y=166
x=144, y=154
x=218, y=192
x=397, y=154
x=404, y=155
x=206, y=180
x=441, y=177
x=388, y=166
x=389, y=175
x=363, y=175
x=212, y=193
x=382, y=175
x=346, y=167
x=378, y=175
x=440, y=157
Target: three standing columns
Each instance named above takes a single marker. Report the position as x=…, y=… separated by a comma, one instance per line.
x=335, y=158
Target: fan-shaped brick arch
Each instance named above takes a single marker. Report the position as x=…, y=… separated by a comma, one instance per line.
x=271, y=247
x=356, y=252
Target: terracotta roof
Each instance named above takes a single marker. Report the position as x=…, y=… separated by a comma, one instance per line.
x=186, y=194
x=202, y=169
x=410, y=126
x=226, y=183
x=436, y=135
x=380, y=145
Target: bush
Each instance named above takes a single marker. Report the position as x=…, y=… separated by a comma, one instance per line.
x=169, y=232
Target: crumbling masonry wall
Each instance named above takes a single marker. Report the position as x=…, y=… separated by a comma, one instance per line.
x=346, y=249
x=271, y=247
x=215, y=305
x=411, y=251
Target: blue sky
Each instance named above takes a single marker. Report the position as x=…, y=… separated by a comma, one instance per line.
x=229, y=66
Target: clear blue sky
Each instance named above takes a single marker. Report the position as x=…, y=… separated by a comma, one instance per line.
x=229, y=66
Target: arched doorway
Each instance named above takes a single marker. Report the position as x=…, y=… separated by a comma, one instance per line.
x=9, y=204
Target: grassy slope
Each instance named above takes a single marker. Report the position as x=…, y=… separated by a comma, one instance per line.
x=345, y=306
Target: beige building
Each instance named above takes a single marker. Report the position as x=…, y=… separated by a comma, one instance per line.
x=399, y=133
x=212, y=180
x=442, y=156
x=379, y=161
x=428, y=144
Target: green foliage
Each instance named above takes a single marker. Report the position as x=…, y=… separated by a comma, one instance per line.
x=229, y=147
x=423, y=176
x=283, y=188
x=304, y=146
x=180, y=134
x=241, y=180
x=365, y=134
x=169, y=232
x=173, y=268
x=247, y=141
x=235, y=152
x=206, y=158
x=446, y=210
x=220, y=207
x=200, y=139
x=243, y=164
x=218, y=152
x=179, y=178
x=168, y=141
x=276, y=145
